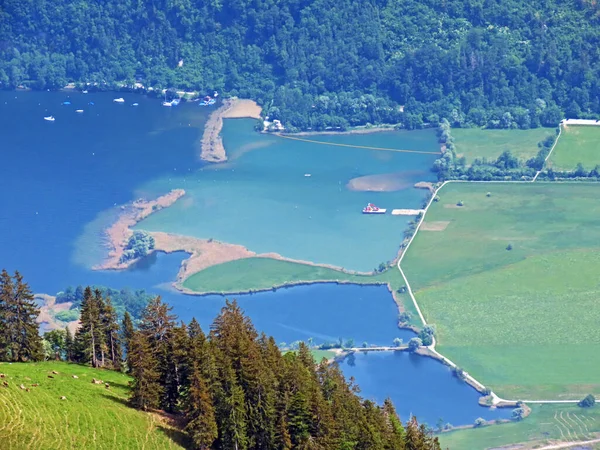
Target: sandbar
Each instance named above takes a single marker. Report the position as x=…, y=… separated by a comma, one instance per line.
x=425, y=185
x=119, y=232
x=212, y=148
x=386, y=182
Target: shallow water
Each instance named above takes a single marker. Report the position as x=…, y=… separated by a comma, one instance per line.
x=62, y=183
x=262, y=199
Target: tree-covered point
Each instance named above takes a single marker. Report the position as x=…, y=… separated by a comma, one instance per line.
x=139, y=245
x=317, y=64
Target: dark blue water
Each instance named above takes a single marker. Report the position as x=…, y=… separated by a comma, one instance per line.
x=418, y=386
x=57, y=176
x=60, y=179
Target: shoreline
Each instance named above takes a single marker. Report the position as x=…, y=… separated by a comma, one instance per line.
x=212, y=148
x=356, y=130
x=120, y=231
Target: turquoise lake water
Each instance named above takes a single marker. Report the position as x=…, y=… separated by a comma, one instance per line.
x=262, y=200
x=62, y=183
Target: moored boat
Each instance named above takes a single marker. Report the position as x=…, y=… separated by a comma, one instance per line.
x=372, y=209
x=49, y=118
x=119, y=100
x=79, y=111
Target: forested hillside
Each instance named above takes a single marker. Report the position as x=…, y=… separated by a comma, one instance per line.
x=317, y=63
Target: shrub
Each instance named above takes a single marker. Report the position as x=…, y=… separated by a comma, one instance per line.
x=518, y=414
x=404, y=317
x=479, y=422
x=460, y=203
x=67, y=316
x=588, y=401
x=398, y=342
x=509, y=247
x=489, y=194
x=414, y=344
x=459, y=373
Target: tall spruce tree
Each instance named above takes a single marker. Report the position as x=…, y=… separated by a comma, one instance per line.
x=127, y=331
x=68, y=345
x=157, y=325
x=111, y=331
x=199, y=410
x=86, y=337
x=18, y=312
x=146, y=391
x=7, y=294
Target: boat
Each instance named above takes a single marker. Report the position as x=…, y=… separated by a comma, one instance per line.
x=212, y=101
x=84, y=92
x=135, y=104
x=50, y=118
x=175, y=101
x=372, y=209
x=167, y=104
x=66, y=103
x=307, y=175
x=119, y=100
x=79, y=111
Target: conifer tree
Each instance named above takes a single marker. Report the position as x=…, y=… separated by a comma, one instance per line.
x=111, y=330
x=202, y=425
x=146, y=390
x=177, y=367
x=7, y=294
x=68, y=345
x=157, y=325
x=19, y=312
x=89, y=338
x=99, y=331
x=127, y=331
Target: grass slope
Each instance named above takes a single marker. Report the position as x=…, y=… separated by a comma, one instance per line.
x=91, y=416
x=522, y=321
x=479, y=143
x=545, y=423
x=577, y=144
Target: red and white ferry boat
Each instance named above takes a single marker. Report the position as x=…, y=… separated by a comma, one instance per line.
x=372, y=209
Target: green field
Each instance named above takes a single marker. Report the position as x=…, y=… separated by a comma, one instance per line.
x=485, y=143
x=521, y=321
x=91, y=416
x=545, y=423
x=256, y=274
x=577, y=144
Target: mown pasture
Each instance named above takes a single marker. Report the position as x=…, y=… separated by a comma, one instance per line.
x=511, y=284
x=577, y=144
x=545, y=424
x=490, y=143
x=92, y=416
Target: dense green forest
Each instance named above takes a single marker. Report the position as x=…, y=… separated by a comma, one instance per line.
x=230, y=389
x=317, y=64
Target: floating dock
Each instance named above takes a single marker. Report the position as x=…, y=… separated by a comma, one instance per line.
x=407, y=212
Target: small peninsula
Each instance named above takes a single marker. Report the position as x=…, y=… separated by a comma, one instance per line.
x=119, y=232
x=212, y=149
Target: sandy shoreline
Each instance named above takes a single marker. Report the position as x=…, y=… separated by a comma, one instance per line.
x=119, y=232
x=212, y=149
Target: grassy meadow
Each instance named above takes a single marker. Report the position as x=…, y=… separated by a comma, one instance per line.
x=522, y=321
x=577, y=144
x=545, y=424
x=91, y=417
x=490, y=143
